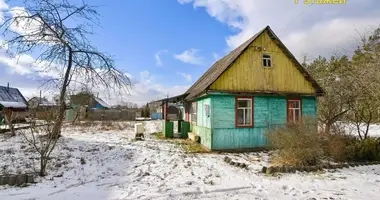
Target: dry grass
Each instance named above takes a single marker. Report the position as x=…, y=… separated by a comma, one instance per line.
x=187, y=145
x=194, y=147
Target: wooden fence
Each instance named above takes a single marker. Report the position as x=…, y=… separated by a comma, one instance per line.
x=111, y=115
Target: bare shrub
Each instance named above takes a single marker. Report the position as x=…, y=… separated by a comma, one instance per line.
x=42, y=140
x=336, y=147
x=106, y=125
x=298, y=144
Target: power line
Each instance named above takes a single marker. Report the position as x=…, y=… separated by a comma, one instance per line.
x=297, y=17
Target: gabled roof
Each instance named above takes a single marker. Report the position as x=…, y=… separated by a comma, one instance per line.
x=38, y=101
x=101, y=102
x=212, y=74
x=12, y=98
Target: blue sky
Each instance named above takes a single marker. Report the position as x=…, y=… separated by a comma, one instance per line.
x=166, y=45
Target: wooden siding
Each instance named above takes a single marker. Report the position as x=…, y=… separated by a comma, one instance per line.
x=268, y=111
x=202, y=119
x=243, y=138
x=309, y=107
x=205, y=135
x=247, y=73
x=203, y=126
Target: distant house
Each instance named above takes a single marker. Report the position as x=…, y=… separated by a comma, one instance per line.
x=98, y=103
x=41, y=108
x=258, y=85
x=155, y=110
x=88, y=100
x=40, y=102
x=11, y=99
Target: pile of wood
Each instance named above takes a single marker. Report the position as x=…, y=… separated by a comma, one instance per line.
x=16, y=179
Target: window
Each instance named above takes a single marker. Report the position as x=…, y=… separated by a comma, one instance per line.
x=294, y=110
x=267, y=60
x=207, y=110
x=193, y=112
x=244, y=112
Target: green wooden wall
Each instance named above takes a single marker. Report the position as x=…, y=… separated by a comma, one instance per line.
x=203, y=126
x=268, y=111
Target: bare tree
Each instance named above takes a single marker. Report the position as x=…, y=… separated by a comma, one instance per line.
x=335, y=103
x=56, y=31
x=365, y=78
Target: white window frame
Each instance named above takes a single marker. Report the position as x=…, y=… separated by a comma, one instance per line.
x=207, y=110
x=244, y=108
x=267, y=59
x=293, y=110
x=193, y=112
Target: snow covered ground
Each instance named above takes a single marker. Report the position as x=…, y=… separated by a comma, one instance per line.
x=373, y=130
x=116, y=167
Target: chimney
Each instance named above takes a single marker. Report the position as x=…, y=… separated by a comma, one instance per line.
x=8, y=86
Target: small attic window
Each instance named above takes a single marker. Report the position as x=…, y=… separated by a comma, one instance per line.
x=267, y=60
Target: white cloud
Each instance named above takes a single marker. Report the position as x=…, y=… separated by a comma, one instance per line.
x=186, y=76
x=313, y=29
x=3, y=6
x=157, y=56
x=333, y=36
x=144, y=75
x=190, y=56
x=215, y=56
x=148, y=89
x=184, y=1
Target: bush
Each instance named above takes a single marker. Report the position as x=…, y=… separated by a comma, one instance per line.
x=335, y=144
x=364, y=150
x=298, y=144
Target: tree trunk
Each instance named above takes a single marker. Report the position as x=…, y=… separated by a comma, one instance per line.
x=76, y=117
x=43, y=163
x=62, y=106
x=327, y=128
x=8, y=121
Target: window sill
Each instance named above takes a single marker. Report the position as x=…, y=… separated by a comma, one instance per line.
x=240, y=126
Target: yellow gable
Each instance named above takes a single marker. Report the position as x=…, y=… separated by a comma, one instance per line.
x=247, y=73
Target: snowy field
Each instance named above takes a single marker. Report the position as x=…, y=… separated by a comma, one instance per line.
x=116, y=167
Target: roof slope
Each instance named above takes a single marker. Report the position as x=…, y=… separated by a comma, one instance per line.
x=212, y=74
x=12, y=98
x=40, y=101
x=101, y=102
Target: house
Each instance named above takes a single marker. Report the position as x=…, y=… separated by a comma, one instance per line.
x=89, y=100
x=155, y=110
x=12, y=100
x=40, y=102
x=98, y=103
x=41, y=108
x=258, y=85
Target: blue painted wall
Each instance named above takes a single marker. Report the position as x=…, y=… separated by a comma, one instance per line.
x=219, y=132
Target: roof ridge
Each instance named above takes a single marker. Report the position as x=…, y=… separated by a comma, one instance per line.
x=220, y=66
